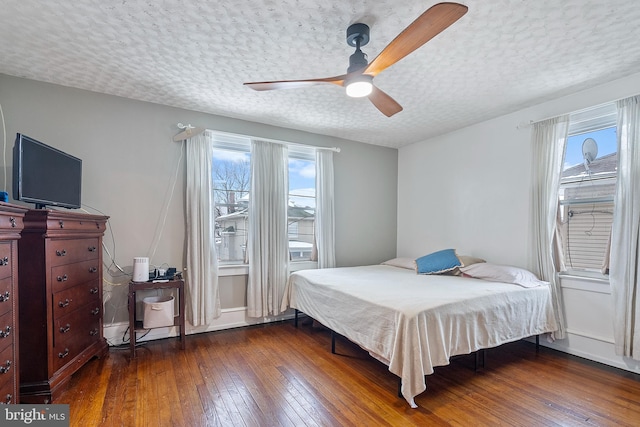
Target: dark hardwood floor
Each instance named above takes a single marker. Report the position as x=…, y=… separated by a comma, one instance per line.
x=277, y=375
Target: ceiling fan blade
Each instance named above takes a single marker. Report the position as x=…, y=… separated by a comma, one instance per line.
x=293, y=84
x=383, y=102
x=428, y=25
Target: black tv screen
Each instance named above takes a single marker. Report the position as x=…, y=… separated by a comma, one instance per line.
x=45, y=175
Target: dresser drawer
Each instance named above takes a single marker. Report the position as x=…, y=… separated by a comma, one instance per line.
x=6, y=394
x=6, y=295
x=6, y=330
x=83, y=331
x=79, y=325
x=5, y=259
x=70, y=299
x=66, y=251
x=11, y=222
x=7, y=367
x=67, y=276
x=70, y=225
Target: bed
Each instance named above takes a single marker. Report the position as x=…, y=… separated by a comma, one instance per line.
x=413, y=322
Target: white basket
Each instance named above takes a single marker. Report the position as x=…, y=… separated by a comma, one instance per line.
x=158, y=312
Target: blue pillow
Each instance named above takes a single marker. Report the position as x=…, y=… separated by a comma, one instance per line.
x=438, y=262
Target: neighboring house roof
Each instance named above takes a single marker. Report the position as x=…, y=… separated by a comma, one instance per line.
x=234, y=215
x=606, y=163
x=297, y=212
x=297, y=245
x=292, y=212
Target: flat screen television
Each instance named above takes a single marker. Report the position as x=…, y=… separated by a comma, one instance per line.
x=45, y=175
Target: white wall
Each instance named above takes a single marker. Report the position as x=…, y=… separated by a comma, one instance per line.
x=130, y=163
x=470, y=190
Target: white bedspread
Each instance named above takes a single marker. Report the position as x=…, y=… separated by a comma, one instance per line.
x=415, y=322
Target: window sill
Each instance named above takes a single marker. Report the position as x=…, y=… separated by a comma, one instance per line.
x=243, y=269
x=233, y=270
x=596, y=278
x=302, y=265
x=585, y=283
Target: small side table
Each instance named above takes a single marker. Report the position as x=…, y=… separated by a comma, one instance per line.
x=135, y=325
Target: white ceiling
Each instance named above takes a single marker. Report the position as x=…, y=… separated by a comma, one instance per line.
x=503, y=55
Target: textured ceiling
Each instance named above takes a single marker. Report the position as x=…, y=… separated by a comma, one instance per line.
x=501, y=56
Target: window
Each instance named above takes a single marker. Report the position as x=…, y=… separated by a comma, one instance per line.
x=587, y=189
x=231, y=167
x=231, y=179
x=302, y=203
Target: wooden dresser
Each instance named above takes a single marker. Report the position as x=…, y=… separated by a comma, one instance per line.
x=10, y=228
x=60, y=269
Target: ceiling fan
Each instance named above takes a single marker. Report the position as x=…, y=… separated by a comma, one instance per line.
x=358, y=81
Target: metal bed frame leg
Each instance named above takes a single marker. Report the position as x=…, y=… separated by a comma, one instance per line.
x=400, y=387
x=295, y=318
x=479, y=359
x=333, y=342
x=537, y=343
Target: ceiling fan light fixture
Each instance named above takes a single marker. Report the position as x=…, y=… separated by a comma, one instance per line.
x=359, y=86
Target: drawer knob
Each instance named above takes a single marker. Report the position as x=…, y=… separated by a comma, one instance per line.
x=62, y=278
x=61, y=222
x=4, y=297
x=93, y=269
x=6, y=332
x=12, y=220
x=93, y=332
x=93, y=291
x=64, y=303
x=8, y=398
x=5, y=368
x=65, y=329
x=4, y=261
x=91, y=248
x=64, y=354
x=61, y=253
x=95, y=311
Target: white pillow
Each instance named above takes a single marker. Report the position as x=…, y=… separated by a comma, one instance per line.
x=408, y=263
x=467, y=260
x=503, y=273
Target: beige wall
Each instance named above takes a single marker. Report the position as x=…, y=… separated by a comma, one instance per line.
x=134, y=172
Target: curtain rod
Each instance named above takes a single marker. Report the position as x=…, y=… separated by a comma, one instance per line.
x=525, y=124
x=190, y=131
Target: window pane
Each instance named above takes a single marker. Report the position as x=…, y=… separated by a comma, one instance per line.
x=231, y=174
x=606, y=160
x=302, y=208
x=586, y=197
x=231, y=177
x=585, y=234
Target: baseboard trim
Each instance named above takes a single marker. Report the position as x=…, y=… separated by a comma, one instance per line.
x=596, y=349
x=229, y=319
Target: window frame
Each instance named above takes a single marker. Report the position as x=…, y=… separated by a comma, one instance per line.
x=585, y=121
x=242, y=143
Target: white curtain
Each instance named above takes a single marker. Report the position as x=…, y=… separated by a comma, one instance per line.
x=268, y=245
x=325, y=220
x=202, y=296
x=625, y=249
x=548, y=143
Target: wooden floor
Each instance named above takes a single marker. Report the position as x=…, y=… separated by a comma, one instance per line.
x=278, y=375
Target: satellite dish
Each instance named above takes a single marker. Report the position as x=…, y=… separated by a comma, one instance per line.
x=589, y=151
